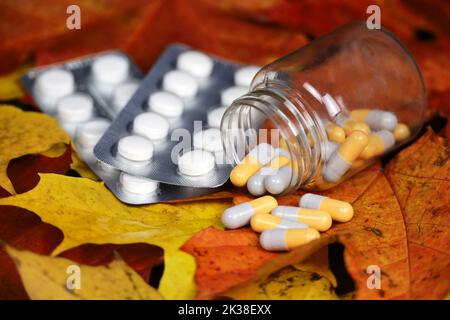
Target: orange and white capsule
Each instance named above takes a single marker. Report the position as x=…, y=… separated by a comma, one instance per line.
x=264, y=221
x=287, y=239
x=379, y=142
x=240, y=215
x=401, y=132
x=335, y=133
x=252, y=162
x=340, y=211
x=255, y=185
x=342, y=159
x=350, y=125
x=317, y=219
x=376, y=119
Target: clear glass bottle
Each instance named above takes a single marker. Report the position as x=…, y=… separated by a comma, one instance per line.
x=308, y=97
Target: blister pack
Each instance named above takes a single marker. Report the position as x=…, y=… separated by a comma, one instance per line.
x=169, y=130
x=84, y=95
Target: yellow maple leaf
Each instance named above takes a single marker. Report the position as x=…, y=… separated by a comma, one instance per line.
x=53, y=278
x=10, y=87
x=79, y=166
x=24, y=133
x=87, y=212
x=287, y=284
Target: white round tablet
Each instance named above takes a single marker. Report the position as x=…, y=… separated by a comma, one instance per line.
x=77, y=107
x=209, y=140
x=181, y=83
x=111, y=69
x=195, y=163
x=151, y=125
x=123, y=93
x=166, y=104
x=137, y=185
x=196, y=63
x=135, y=148
x=215, y=117
x=244, y=76
x=89, y=133
x=232, y=93
x=51, y=85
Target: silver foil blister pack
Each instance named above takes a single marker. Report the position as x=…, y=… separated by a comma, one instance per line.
x=163, y=163
x=106, y=106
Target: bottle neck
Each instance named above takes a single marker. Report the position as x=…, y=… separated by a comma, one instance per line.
x=283, y=117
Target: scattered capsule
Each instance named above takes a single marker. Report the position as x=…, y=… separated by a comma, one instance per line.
x=379, y=142
x=351, y=125
x=401, y=132
x=376, y=119
x=287, y=239
x=240, y=215
x=335, y=133
x=253, y=161
x=317, y=219
x=278, y=182
x=255, y=185
x=342, y=159
x=264, y=221
x=340, y=211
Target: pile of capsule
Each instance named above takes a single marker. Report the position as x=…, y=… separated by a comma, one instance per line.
x=284, y=227
x=356, y=139
x=351, y=143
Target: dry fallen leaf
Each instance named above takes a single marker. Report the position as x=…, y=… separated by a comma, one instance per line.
x=384, y=205
x=23, y=171
x=23, y=133
x=226, y=259
x=287, y=284
x=47, y=278
x=86, y=212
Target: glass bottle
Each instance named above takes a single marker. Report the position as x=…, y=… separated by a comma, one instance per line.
x=336, y=106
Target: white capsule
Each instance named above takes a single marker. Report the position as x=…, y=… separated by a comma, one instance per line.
x=180, y=83
x=52, y=85
x=286, y=239
x=196, y=63
x=387, y=137
x=151, y=125
x=255, y=185
x=279, y=182
x=122, y=94
x=215, y=117
x=240, y=215
x=232, y=93
x=273, y=240
x=251, y=163
x=209, y=140
x=89, y=133
x=196, y=163
x=135, y=148
x=379, y=120
x=335, y=168
x=137, y=185
x=166, y=104
x=78, y=107
x=244, y=76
